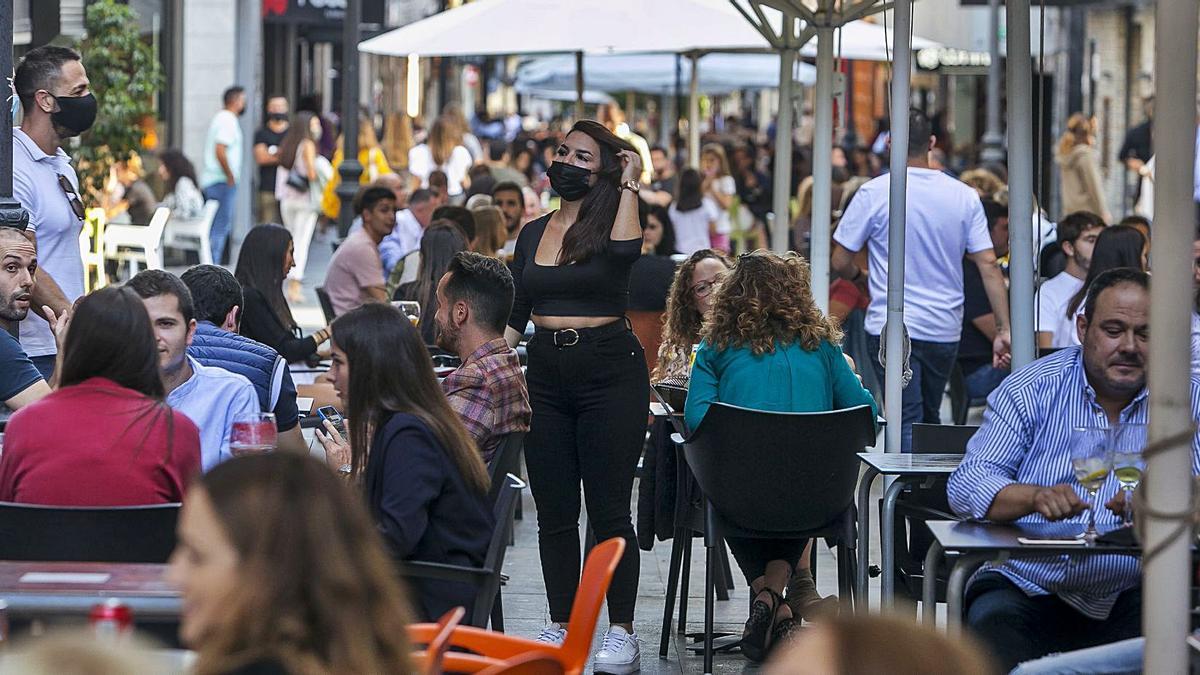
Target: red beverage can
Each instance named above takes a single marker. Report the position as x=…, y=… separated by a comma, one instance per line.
x=111, y=620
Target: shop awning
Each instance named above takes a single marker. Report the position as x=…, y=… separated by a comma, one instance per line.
x=655, y=73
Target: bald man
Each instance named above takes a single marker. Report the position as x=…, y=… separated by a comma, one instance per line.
x=20, y=382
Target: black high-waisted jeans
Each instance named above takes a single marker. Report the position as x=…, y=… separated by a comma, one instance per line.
x=589, y=424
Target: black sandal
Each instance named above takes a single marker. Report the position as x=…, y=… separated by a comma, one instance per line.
x=785, y=633
x=760, y=625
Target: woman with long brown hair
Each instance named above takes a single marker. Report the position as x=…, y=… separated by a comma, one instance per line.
x=442, y=151
x=442, y=239
x=281, y=571
x=370, y=157
x=767, y=346
x=424, y=480
x=1079, y=169
x=587, y=373
x=297, y=190
x=106, y=436
x=688, y=303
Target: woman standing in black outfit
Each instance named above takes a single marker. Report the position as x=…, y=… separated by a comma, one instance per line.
x=263, y=264
x=587, y=374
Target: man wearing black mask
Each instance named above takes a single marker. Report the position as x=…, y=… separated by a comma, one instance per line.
x=53, y=87
x=266, y=155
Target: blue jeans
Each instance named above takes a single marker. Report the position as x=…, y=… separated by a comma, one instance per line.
x=922, y=398
x=224, y=194
x=1118, y=658
x=981, y=381
x=1017, y=628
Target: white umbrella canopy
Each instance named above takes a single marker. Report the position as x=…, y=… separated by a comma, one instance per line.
x=490, y=27
x=655, y=73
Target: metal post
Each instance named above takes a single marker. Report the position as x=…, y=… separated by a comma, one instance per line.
x=693, y=146
x=579, y=85
x=11, y=213
x=822, y=196
x=249, y=74
x=894, y=369
x=783, y=145
x=1020, y=184
x=1168, y=482
x=350, y=169
x=993, y=136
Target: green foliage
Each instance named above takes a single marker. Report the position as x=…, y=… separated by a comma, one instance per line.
x=125, y=77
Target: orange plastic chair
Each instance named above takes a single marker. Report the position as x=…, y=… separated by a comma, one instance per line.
x=430, y=659
x=526, y=664
x=491, y=649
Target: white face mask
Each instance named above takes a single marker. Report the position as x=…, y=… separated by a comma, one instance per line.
x=316, y=133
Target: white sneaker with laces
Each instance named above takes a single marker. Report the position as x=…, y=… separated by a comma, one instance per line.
x=619, y=652
x=553, y=634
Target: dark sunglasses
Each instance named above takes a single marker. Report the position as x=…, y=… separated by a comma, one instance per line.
x=72, y=196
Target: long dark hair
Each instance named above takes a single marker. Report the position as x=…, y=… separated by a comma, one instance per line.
x=442, y=239
x=688, y=196
x=111, y=337
x=390, y=371
x=260, y=266
x=311, y=563
x=1117, y=246
x=592, y=229
x=178, y=166
x=299, y=131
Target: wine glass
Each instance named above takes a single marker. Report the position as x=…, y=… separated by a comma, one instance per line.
x=253, y=434
x=1128, y=441
x=410, y=309
x=1091, y=458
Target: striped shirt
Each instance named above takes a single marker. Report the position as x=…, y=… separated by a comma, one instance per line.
x=1025, y=438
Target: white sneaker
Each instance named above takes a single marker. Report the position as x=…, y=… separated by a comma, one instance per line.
x=553, y=634
x=619, y=653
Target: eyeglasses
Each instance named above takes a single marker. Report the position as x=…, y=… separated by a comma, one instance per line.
x=72, y=196
x=703, y=288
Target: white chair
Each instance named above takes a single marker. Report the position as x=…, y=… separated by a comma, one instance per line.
x=141, y=243
x=192, y=235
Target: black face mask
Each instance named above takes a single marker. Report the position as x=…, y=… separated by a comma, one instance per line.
x=569, y=181
x=278, y=117
x=75, y=114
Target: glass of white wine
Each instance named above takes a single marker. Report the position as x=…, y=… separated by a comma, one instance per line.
x=1091, y=458
x=1128, y=441
x=410, y=309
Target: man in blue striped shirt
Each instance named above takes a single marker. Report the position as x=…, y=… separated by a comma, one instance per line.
x=1018, y=469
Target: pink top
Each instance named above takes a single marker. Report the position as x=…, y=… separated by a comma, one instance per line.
x=97, y=443
x=355, y=266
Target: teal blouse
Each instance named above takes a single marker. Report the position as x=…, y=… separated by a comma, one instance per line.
x=790, y=379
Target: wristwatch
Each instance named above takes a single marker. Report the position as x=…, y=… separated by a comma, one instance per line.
x=632, y=185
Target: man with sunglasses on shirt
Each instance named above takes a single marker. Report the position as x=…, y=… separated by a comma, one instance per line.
x=53, y=87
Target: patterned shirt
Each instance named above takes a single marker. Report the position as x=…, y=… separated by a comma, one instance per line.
x=488, y=392
x=1025, y=438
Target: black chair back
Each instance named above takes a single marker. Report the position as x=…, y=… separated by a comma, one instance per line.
x=124, y=534
x=741, y=457
x=489, y=590
x=326, y=304
x=671, y=396
x=941, y=439
x=506, y=460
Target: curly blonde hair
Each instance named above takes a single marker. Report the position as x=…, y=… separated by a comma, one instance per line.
x=682, y=320
x=765, y=299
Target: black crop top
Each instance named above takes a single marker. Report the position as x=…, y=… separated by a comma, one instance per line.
x=598, y=286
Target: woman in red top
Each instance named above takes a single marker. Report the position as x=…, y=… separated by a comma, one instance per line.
x=106, y=437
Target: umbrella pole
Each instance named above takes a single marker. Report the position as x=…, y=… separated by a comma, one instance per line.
x=1168, y=482
x=993, y=137
x=894, y=368
x=822, y=196
x=1020, y=183
x=783, y=150
x=578, y=86
x=694, y=113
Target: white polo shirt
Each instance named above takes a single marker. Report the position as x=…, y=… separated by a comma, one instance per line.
x=945, y=219
x=35, y=185
x=1051, y=301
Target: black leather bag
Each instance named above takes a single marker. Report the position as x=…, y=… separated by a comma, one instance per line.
x=297, y=181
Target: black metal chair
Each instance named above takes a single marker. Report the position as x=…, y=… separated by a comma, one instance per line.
x=922, y=503
x=776, y=475
x=485, y=579
x=119, y=534
x=960, y=402
x=326, y=304
x=506, y=460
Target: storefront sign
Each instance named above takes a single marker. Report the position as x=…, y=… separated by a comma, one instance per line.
x=318, y=11
x=936, y=58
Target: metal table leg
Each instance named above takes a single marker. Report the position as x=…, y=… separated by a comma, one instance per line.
x=864, y=536
x=887, y=539
x=929, y=587
x=955, y=589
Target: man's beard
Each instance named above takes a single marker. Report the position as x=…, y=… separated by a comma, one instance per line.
x=10, y=312
x=447, y=339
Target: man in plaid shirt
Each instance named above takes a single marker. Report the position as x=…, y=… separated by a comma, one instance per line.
x=488, y=390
